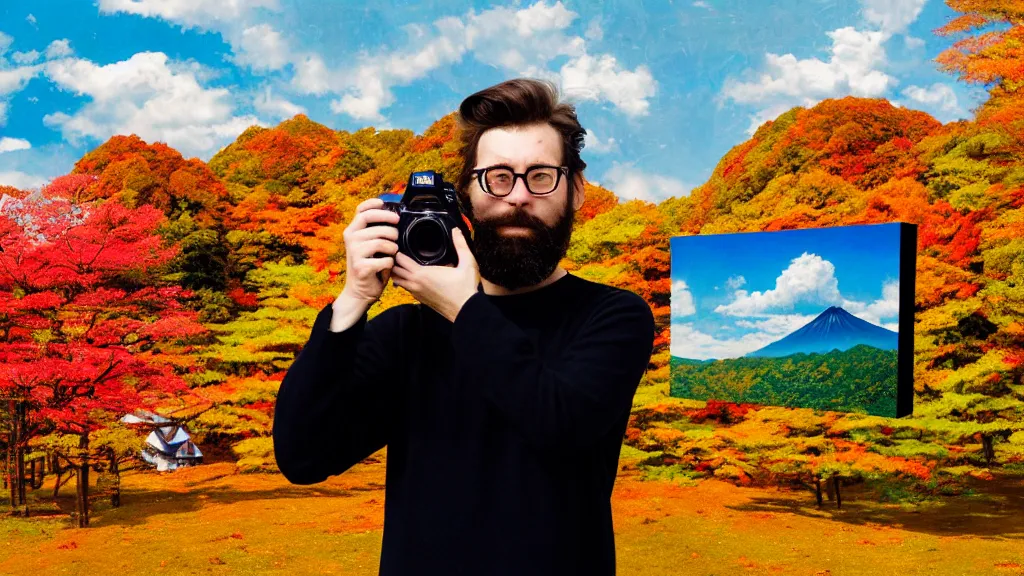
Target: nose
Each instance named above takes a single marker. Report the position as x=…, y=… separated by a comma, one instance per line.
x=519, y=194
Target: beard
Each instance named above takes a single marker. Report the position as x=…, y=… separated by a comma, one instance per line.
x=517, y=260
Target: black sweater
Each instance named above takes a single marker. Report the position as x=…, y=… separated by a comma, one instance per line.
x=503, y=427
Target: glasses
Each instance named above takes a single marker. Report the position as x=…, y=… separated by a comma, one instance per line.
x=539, y=179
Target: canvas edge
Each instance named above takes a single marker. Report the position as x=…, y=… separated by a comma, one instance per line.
x=905, y=340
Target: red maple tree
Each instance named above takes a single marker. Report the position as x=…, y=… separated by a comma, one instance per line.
x=78, y=308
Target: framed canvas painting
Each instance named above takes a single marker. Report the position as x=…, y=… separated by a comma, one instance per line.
x=816, y=318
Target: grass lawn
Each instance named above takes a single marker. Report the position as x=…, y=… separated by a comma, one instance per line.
x=208, y=520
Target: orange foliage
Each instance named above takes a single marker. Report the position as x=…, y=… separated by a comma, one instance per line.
x=156, y=174
x=993, y=57
x=598, y=201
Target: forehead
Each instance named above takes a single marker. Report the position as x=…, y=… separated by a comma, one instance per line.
x=520, y=146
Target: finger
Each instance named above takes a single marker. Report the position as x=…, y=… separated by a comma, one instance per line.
x=371, y=248
x=406, y=262
x=369, y=203
x=372, y=216
x=369, y=266
x=371, y=232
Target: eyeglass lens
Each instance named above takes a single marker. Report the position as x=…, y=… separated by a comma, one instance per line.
x=539, y=180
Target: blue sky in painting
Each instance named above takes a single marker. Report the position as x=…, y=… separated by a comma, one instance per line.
x=664, y=88
x=735, y=293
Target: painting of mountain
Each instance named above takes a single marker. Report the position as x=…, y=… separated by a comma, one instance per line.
x=833, y=329
x=815, y=318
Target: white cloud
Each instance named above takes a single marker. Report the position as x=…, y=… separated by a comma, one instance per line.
x=262, y=48
x=311, y=75
x=59, y=49
x=13, y=80
x=854, y=68
x=938, y=98
x=8, y=144
x=688, y=342
x=601, y=78
x=255, y=44
x=200, y=14
x=701, y=4
x=21, y=180
x=777, y=325
x=25, y=57
x=913, y=43
x=682, y=300
x=631, y=183
x=734, y=282
x=522, y=42
x=892, y=16
x=149, y=96
x=596, y=145
x=888, y=306
x=276, y=106
x=808, y=278
x=5, y=43
x=372, y=80
x=31, y=20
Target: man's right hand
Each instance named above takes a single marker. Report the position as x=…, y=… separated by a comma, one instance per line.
x=366, y=276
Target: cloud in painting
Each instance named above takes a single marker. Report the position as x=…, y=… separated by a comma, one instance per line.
x=763, y=316
x=682, y=300
x=808, y=278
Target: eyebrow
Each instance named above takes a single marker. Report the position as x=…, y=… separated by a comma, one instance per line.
x=504, y=162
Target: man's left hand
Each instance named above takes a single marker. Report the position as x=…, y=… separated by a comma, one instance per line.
x=443, y=288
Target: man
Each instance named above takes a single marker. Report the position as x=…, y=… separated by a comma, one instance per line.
x=503, y=394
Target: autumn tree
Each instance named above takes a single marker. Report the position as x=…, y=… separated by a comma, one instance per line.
x=77, y=311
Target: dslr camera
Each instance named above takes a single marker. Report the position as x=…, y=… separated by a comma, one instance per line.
x=428, y=212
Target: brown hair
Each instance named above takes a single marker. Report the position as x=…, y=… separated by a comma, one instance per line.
x=516, y=103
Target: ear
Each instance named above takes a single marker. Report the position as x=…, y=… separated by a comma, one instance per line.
x=579, y=195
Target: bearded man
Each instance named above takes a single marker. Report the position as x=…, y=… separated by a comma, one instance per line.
x=503, y=393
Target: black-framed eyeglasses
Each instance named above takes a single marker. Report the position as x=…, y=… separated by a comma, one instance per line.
x=540, y=179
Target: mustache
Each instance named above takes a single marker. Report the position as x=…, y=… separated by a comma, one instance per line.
x=517, y=218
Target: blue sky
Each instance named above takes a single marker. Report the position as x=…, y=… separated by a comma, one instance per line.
x=735, y=293
x=664, y=88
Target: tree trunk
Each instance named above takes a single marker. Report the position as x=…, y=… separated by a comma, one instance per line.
x=987, y=449
x=21, y=455
x=839, y=499
x=83, y=482
x=10, y=457
x=115, y=496
x=56, y=474
x=817, y=489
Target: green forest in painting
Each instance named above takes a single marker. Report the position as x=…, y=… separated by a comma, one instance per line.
x=861, y=379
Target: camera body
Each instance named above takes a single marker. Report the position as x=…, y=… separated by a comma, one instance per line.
x=428, y=213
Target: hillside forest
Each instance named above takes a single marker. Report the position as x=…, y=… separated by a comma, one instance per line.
x=142, y=279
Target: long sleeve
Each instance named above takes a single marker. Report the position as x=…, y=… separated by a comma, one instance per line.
x=334, y=405
x=570, y=402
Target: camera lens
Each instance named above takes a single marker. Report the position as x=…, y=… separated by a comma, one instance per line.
x=426, y=237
